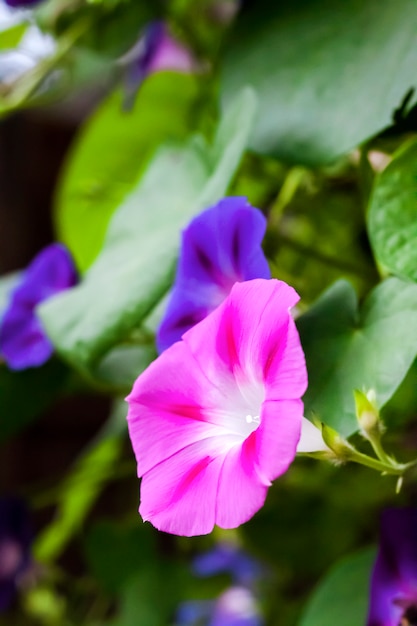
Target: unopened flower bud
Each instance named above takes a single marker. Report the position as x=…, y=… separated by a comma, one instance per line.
x=367, y=413
x=338, y=445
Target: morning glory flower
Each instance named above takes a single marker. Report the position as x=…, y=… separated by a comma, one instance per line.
x=218, y=415
x=157, y=50
x=219, y=247
x=228, y=558
x=234, y=607
x=393, y=597
x=21, y=3
x=237, y=606
x=15, y=541
x=23, y=342
x=162, y=52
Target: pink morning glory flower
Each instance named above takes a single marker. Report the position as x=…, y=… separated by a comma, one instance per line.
x=219, y=247
x=393, y=599
x=23, y=342
x=218, y=415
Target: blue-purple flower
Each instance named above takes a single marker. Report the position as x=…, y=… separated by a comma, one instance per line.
x=237, y=605
x=393, y=598
x=15, y=541
x=234, y=607
x=156, y=50
x=21, y=3
x=226, y=558
x=220, y=247
x=162, y=52
x=23, y=342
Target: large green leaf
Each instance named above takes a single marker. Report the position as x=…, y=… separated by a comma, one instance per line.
x=328, y=73
x=347, y=348
x=342, y=596
x=111, y=153
x=121, y=366
x=136, y=264
x=392, y=217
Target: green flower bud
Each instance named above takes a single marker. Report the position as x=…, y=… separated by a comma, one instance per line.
x=367, y=413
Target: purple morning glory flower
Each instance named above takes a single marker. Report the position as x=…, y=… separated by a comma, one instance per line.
x=21, y=3
x=234, y=607
x=220, y=247
x=23, y=342
x=15, y=541
x=161, y=51
x=227, y=558
x=156, y=50
x=237, y=605
x=393, y=598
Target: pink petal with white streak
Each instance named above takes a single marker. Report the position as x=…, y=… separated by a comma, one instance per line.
x=180, y=494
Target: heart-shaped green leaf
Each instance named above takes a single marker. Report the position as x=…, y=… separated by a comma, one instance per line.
x=392, y=216
x=328, y=74
x=347, y=348
x=111, y=153
x=342, y=596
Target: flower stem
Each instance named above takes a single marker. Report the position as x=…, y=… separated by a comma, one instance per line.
x=339, y=449
x=376, y=444
x=388, y=466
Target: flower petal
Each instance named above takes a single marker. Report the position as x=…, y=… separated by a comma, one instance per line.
x=228, y=558
x=241, y=493
x=399, y=544
x=236, y=607
x=220, y=246
x=22, y=339
x=255, y=339
x=384, y=589
x=179, y=495
x=185, y=309
x=394, y=577
x=51, y=271
x=311, y=439
x=277, y=437
x=165, y=408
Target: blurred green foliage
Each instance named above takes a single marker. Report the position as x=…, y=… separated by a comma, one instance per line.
x=325, y=78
